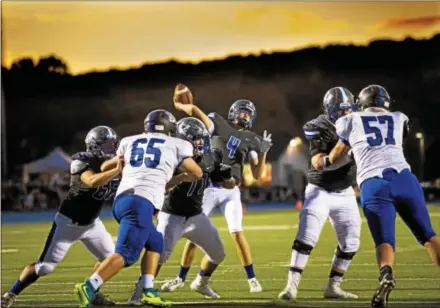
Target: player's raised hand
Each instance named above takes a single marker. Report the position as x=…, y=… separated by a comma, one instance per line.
x=187, y=108
x=266, y=143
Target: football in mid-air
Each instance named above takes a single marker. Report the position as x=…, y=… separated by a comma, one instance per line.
x=182, y=94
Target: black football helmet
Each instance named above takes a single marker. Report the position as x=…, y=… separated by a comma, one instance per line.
x=374, y=96
x=102, y=141
x=194, y=131
x=337, y=101
x=160, y=121
x=243, y=105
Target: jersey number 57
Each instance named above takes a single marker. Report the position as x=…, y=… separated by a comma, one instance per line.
x=372, y=126
x=150, y=157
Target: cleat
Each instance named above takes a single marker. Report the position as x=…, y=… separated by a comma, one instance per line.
x=288, y=294
x=291, y=290
x=8, y=299
x=173, y=285
x=333, y=290
x=86, y=294
x=150, y=297
x=202, y=287
x=254, y=285
x=136, y=297
x=102, y=300
x=386, y=285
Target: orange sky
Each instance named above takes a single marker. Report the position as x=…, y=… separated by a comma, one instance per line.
x=99, y=35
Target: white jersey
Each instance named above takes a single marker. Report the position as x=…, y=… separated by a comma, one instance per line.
x=150, y=161
x=376, y=139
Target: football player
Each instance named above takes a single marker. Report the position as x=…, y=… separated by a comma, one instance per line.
x=151, y=159
x=182, y=214
x=386, y=182
x=78, y=216
x=239, y=145
x=329, y=194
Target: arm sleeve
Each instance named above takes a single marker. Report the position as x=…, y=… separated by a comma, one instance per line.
x=252, y=154
x=343, y=128
x=316, y=143
x=184, y=150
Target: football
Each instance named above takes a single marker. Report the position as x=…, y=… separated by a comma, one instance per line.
x=182, y=94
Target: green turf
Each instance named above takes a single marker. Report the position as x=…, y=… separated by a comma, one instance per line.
x=270, y=235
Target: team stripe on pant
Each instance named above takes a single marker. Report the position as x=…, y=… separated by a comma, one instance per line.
x=48, y=241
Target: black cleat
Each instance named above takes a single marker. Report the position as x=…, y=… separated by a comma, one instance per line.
x=386, y=285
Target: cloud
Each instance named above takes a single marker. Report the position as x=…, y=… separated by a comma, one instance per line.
x=283, y=21
x=417, y=22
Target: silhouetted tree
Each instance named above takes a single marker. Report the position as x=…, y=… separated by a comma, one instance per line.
x=25, y=65
x=52, y=64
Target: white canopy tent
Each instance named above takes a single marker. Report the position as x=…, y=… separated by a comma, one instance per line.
x=55, y=161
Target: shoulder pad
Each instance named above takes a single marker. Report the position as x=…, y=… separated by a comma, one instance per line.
x=82, y=156
x=77, y=166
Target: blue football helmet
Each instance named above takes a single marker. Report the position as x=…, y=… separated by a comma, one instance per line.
x=337, y=102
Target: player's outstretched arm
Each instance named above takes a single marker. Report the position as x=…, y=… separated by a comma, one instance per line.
x=109, y=163
x=178, y=179
x=94, y=180
x=258, y=162
x=190, y=167
x=193, y=110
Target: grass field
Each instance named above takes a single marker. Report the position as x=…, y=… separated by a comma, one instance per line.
x=270, y=235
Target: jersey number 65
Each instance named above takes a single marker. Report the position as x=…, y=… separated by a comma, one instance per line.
x=139, y=156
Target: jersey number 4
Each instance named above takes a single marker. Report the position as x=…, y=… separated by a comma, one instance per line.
x=232, y=146
x=137, y=157
x=371, y=126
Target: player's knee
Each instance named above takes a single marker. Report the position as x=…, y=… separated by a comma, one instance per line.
x=44, y=268
x=164, y=256
x=351, y=245
x=130, y=256
x=217, y=257
x=345, y=255
x=155, y=242
x=302, y=247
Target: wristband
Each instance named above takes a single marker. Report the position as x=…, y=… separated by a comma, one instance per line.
x=326, y=161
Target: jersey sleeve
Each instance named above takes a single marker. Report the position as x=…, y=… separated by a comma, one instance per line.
x=344, y=128
x=317, y=144
x=78, y=166
x=122, y=147
x=217, y=121
x=184, y=150
x=405, y=121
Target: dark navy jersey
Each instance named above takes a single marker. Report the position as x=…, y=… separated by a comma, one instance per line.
x=186, y=198
x=236, y=145
x=322, y=138
x=83, y=203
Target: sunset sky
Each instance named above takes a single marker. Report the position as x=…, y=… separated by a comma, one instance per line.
x=100, y=35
